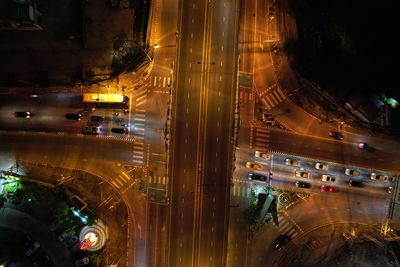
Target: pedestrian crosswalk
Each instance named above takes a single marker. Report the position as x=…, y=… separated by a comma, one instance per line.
x=271, y=96
x=138, y=127
x=239, y=190
x=259, y=138
x=161, y=180
x=159, y=81
x=122, y=180
x=287, y=226
x=245, y=96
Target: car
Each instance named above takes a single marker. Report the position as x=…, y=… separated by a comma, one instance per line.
x=389, y=189
x=362, y=145
x=356, y=183
x=73, y=116
x=291, y=162
x=253, y=165
x=98, y=119
x=302, y=184
x=70, y=241
x=32, y=249
x=321, y=166
x=328, y=178
x=259, y=154
x=91, y=129
x=119, y=130
x=267, y=118
x=352, y=172
x=82, y=262
x=301, y=174
x=63, y=236
x=257, y=176
x=328, y=188
x=281, y=241
x=336, y=135
x=23, y=114
x=379, y=177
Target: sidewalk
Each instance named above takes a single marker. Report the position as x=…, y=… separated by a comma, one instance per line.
x=22, y=222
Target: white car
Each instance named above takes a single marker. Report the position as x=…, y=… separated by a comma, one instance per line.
x=291, y=162
x=352, y=172
x=321, y=166
x=301, y=174
x=259, y=154
x=328, y=178
x=32, y=249
x=379, y=177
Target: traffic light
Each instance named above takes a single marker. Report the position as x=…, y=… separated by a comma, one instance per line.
x=270, y=175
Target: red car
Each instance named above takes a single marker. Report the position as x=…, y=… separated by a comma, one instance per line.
x=327, y=188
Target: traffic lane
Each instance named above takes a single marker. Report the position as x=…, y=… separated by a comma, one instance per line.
x=336, y=170
x=218, y=146
x=78, y=148
x=284, y=178
x=183, y=191
x=331, y=150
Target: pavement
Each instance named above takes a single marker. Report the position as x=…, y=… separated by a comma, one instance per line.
x=22, y=222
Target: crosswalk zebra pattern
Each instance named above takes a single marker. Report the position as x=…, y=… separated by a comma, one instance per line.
x=241, y=191
x=162, y=180
x=245, y=96
x=259, y=138
x=138, y=127
x=272, y=96
x=160, y=81
x=287, y=226
x=122, y=180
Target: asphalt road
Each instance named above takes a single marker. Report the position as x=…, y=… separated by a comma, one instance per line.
x=202, y=131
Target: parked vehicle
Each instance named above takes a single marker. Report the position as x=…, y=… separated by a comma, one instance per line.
x=379, y=177
x=328, y=188
x=302, y=184
x=291, y=162
x=321, y=166
x=119, y=130
x=352, y=172
x=257, y=176
x=23, y=114
x=301, y=174
x=259, y=154
x=281, y=241
x=356, y=183
x=336, y=135
x=253, y=165
x=73, y=116
x=328, y=178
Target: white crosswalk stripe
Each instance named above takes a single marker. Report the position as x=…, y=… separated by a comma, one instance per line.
x=161, y=81
x=261, y=138
x=287, y=226
x=273, y=97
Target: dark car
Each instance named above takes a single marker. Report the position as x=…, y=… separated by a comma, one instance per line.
x=97, y=119
x=23, y=114
x=257, y=176
x=336, y=135
x=302, y=184
x=281, y=241
x=119, y=130
x=356, y=183
x=73, y=116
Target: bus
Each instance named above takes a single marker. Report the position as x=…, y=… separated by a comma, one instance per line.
x=104, y=98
